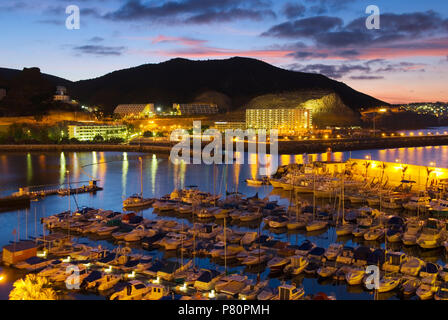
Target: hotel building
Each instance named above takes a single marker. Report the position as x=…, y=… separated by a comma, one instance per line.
x=231, y=125
x=88, y=132
x=195, y=108
x=286, y=121
x=135, y=111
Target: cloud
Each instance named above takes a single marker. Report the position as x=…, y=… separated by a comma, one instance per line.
x=366, y=77
x=332, y=71
x=367, y=70
x=400, y=35
x=192, y=11
x=96, y=39
x=181, y=40
x=293, y=10
x=323, y=6
x=306, y=27
x=99, y=50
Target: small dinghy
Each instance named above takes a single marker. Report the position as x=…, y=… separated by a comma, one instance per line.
x=410, y=286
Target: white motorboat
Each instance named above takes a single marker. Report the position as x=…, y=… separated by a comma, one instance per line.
x=137, y=201
x=374, y=234
x=277, y=263
x=297, y=265
x=156, y=292
x=250, y=216
x=344, y=229
x=289, y=292
x=101, y=281
x=333, y=251
x=278, y=222
x=426, y=291
x=316, y=225
x=248, y=238
x=134, y=290
x=411, y=233
x=394, y=261
x=326, y=271
x=412, y=266
x=138, y=234
x=232, y=284
x=355, y=276
x=432, y=234
x=76, y=277
x=387, y=284
x=417, y=203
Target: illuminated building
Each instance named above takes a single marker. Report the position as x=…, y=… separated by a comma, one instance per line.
x=195, y=108
x=231, y=125
x=286, y=121
x=61, y=94
x=89, y=132
x=135, y=111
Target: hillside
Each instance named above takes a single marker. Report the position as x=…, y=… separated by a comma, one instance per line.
x=29, y=92
x=235, y=81
x=234, y=84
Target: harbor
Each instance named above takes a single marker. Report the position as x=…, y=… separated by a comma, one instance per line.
x=308, y=232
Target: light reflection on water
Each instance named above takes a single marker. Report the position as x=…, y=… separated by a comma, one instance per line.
x=119, y=174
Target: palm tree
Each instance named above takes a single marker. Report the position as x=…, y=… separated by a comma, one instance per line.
x=403, y=172
x=383, y=168
x=32, y=288
x=428, y=174
x=367, y=166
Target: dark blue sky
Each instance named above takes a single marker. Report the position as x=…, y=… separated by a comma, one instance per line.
x=405, y=60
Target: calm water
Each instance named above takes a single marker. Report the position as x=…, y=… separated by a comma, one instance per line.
x=119, y=174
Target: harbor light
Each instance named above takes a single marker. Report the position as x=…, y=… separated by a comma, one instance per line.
x=42, y=254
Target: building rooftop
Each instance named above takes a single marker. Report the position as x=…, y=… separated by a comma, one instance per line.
x=20, y=246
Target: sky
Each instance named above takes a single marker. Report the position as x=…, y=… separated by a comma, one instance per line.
x=405, y=60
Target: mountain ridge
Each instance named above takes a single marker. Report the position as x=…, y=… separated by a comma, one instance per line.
x=237, y=81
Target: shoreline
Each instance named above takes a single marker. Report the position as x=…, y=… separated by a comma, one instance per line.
x=284, y=147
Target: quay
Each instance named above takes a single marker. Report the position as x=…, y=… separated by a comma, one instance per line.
x=23, y=197
x=284, y=146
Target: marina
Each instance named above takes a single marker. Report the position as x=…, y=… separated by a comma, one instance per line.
x=229, y=239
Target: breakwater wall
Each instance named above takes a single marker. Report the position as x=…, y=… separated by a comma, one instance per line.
x=284, y=146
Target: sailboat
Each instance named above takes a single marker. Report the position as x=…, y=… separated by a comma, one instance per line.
x=315, y=225
x=346, y=228
x=137, y=200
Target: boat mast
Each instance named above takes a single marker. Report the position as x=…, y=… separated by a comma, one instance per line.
x=225, y=247
x=69, y=201
x=141, y=176
x=314, y=192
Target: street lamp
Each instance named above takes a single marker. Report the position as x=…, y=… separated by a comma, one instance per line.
x=382, y=110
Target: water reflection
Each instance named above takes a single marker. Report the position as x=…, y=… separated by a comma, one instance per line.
x=62, y=168
x=29, y=168
x=154, y=166
x=161, y=176
x=124, y=174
